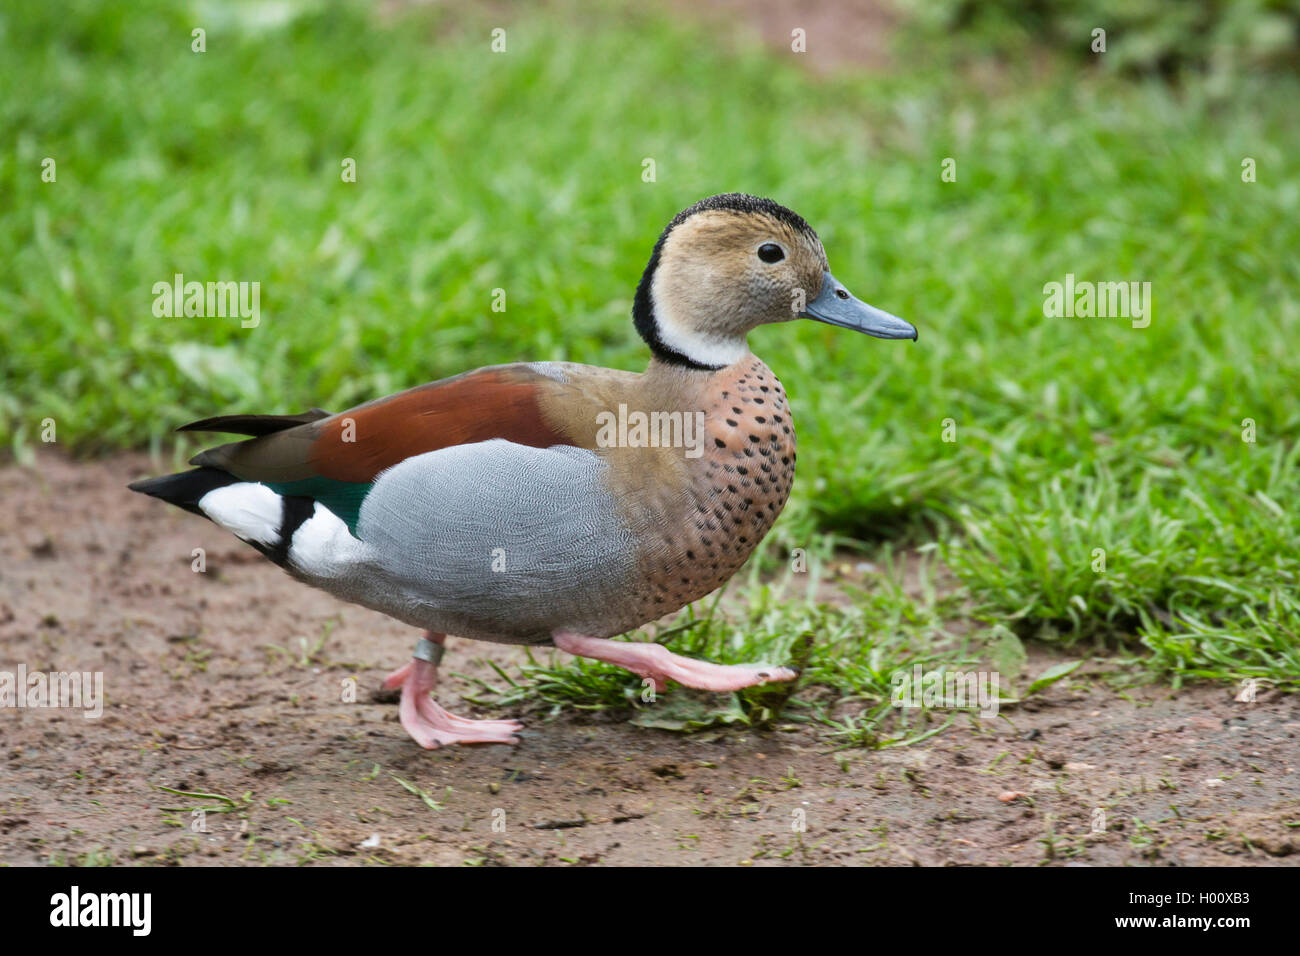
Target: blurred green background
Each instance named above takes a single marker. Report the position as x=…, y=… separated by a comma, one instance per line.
x=522, y=170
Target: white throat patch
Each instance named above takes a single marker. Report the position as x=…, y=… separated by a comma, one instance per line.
x=696, y=346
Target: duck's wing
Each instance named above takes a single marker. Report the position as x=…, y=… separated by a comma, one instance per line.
x=336, y=458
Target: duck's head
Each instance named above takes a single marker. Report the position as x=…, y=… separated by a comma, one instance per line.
x=733, y=262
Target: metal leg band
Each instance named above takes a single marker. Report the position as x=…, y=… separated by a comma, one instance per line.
x=426, y=650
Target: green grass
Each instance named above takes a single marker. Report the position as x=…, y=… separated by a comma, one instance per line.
x=522, y=171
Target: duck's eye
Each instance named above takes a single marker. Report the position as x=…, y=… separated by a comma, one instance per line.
x=771, y=252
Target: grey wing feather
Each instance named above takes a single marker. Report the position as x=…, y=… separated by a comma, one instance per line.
x=500, y=541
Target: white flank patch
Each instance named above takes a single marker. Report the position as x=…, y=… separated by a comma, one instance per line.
x=248, y=509
x=323, y=544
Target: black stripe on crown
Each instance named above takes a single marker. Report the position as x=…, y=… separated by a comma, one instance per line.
x=643, y=307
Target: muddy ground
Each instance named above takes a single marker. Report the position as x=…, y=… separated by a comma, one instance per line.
x=95, y=578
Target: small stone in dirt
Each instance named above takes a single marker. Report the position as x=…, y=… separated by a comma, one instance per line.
x=1055, y=761
x=1007, y=796
x=1079, y=766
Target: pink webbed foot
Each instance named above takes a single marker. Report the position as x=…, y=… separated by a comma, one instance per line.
x=658, y=664
x=429, y=724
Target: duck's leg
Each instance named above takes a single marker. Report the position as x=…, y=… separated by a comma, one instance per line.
x=428, y=723
x=656, y=662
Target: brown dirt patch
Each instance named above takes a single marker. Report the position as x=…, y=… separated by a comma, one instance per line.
x=93, y=578
x=838, y=34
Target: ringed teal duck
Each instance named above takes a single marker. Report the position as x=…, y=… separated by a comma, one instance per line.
x=551, y=502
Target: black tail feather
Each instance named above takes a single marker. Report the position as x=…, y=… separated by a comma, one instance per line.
x=185, y=488
x=255, y=425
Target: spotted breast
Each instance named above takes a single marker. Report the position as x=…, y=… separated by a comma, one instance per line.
x=733, y=492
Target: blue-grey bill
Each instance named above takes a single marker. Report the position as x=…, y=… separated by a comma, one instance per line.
x=835, y=305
